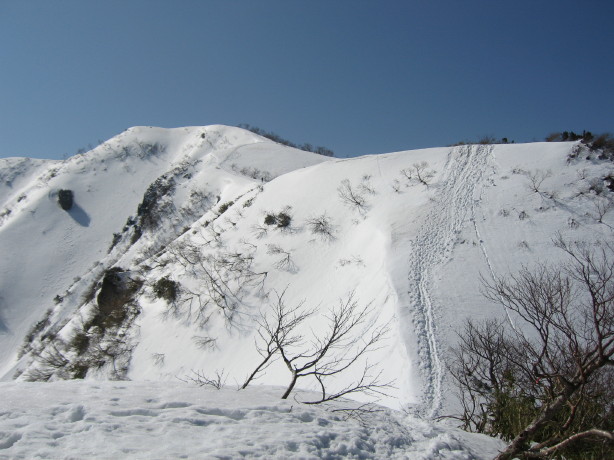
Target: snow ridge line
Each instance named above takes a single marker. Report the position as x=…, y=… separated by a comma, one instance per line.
x=431, y=247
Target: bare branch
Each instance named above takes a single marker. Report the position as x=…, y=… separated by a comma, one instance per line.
x=540, y=382
x=351, y=197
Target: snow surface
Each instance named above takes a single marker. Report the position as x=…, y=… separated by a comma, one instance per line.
x=70, y=248
x=69, y=420
x=415, y=251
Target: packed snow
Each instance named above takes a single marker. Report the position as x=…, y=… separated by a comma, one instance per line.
x=407, y=235
x=69, y=420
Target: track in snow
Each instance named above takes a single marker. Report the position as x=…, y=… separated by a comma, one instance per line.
x=456, y=197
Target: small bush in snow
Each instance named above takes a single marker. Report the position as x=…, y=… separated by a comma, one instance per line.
x=270, y=219
x=167, y=289
x=322, y=226
x=285, y=263
x=419, y=172
x=536, y=179
x=200, y=379
x=204, y=342
x=224, y=207
x=282, y=219
x=352, y=197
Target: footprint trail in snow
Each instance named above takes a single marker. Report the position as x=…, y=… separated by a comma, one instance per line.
x=456, y=196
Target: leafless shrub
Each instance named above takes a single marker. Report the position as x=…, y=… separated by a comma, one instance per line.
x=536, y=179
x=285, y=263
x=600, y=208
x=204, y=343
x=281, y=220
x=275, y=329
x=351, y=197
x=350, y=336
x=53, y=358
x=260, y=231
x=419, y=173
x=545, y=384
x=200, y=379
x=365, y=185
x=322, y=226
x=354, y=260
x=360, y=413
x=158, y=359
x=224, y=277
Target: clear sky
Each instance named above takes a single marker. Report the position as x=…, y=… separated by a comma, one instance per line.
x=355, y=76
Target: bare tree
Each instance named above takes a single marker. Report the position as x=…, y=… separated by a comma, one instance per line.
x=423, y=174
x=323, y=226
x=536, y=179
x=200, y=379
x=285, y=263
x=204, y=342
x=349, y=337
x=223, y=278
x=602, y=207
x=352, y=197
x=281, y=327
x=365, y=185
x=419, y=173
x=346, y=341
x=541, y=384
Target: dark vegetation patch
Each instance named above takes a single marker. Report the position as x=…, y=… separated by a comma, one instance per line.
x=280, y=140
x=167, y=289
x=66, y=199
x=282, y=219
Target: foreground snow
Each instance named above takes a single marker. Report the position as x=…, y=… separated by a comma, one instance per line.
x=82, y=419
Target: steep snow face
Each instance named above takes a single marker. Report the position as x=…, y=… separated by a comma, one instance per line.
x=51, y=253
x=233, y=223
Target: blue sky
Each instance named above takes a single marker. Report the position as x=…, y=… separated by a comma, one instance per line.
x=356, y=76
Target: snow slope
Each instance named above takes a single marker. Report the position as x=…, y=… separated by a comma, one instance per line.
x=45, y=251
x=190, y=206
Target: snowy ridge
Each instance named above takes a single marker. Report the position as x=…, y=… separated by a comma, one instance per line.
x=189, y=207
x=109, y=183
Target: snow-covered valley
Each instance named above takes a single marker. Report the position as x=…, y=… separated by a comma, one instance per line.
x=180, y=244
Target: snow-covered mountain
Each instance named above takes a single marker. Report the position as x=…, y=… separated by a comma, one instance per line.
x=180, y=242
